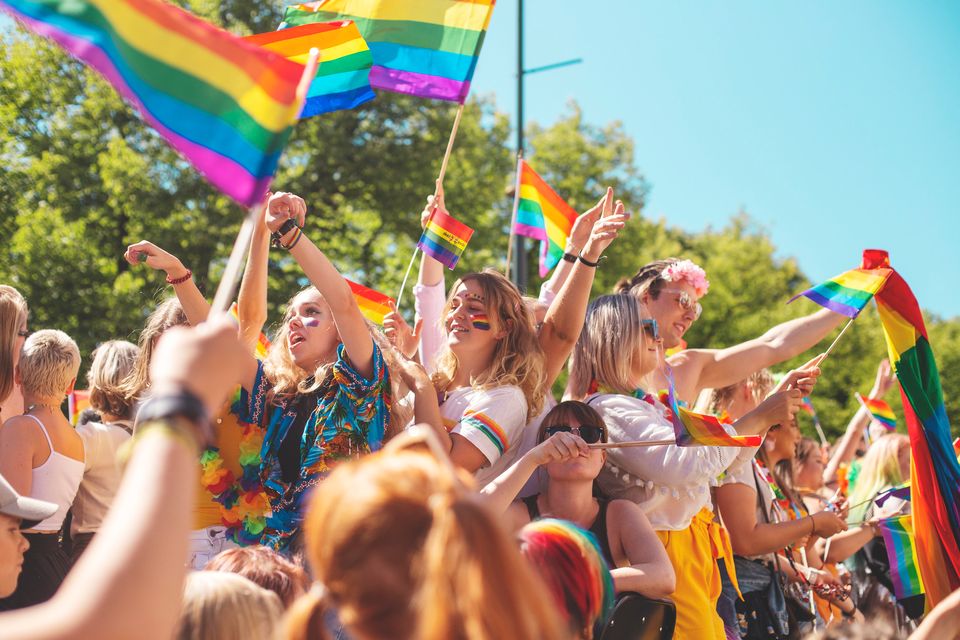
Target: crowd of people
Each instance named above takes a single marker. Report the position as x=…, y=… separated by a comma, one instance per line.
x=421, y=480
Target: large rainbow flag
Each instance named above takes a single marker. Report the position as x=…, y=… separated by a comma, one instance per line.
x=935, y=472
x=542, y=215
x=343, y=77
x=227, y=105
x=426, y=48
x=902, y=554
x=849, y=292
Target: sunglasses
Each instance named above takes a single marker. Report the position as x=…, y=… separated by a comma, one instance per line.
x=686, y=302
x=651, y=328
x=588, y=433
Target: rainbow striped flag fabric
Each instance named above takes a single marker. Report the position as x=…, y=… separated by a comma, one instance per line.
x=693, y=429
x=76, y=403
x=444, y=238
x=343, y=77
x=849, y=292
x=879, y=411
x=263, y=343
x=902, y=554
x=935, y=472
x=425, y=48
x=227, y=105
x=373, y=304
x=542, y=215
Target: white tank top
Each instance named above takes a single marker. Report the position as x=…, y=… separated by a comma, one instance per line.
x=56, y=481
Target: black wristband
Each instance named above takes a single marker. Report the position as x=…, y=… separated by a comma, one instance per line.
x=569, y=257
x=183, y=404
x=288, y=226
x=593, y=265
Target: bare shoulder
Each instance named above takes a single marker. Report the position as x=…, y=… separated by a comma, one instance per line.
x=20, y=431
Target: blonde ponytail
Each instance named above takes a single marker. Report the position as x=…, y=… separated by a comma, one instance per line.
x=304, y=619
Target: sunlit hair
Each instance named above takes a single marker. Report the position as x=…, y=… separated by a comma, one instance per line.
x=807, y=448
x=225, y=606
x=879, y=470
x=49, y=361
x=568, y=412
x=289, y=380
x=265, y=568
x=517, y=359
x=648, y=279
x=403, y=549
x=605, y=352
x=571, y=564
x=13, y=317
x=760, y=382
x=113, y=362
x=168, y=314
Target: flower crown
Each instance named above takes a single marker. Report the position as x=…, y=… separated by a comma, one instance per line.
x=691, y=273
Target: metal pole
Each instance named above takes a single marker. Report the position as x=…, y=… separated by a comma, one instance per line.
x=519, y=267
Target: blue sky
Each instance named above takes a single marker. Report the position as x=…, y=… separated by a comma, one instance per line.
x=836, y=125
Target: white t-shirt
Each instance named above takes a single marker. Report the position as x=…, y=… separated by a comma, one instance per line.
x=101, y=475
x=492, y=420
x=744, y=472
x=670, y=483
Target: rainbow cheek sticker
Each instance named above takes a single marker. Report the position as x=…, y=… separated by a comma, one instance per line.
x=480, y=321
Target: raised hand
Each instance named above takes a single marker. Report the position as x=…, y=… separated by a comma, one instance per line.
x=612, y=218
x=282, y=206
x=802, y=378
x=884, y=380
x=583, y=225
x=145, y=252
x=434, y=203
x=558, y=447
x=400, y=334
x=780, y=407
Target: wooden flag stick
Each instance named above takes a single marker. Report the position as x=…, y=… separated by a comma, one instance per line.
x=231, y=274
x=631, y=443
x=513, y=217
x=835, y=340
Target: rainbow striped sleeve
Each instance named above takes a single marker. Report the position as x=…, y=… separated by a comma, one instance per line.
x=426, y=48
x=444, y=238
x=227, y=105
x=488, y=427
x=902, y=554
x=542, y=215
x=373, y=304
x=343, y=77
x=879, y=411
x=849, y=292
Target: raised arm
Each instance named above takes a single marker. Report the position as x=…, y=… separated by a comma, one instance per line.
x=350, y=322
x=697, y=369
x=566, y=314
x=195, y=306
x=429, y=293
x=252, y=297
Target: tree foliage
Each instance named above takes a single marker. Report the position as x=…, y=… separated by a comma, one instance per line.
x=83, y=178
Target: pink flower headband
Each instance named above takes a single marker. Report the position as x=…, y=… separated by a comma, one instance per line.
x=691, y=273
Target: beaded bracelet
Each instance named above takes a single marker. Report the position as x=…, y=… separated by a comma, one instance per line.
x=181, y=279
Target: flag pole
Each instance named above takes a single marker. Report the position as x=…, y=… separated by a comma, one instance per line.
x=231, y=274
x=631, y=443
x=513, y=217
x=837, y=339
x=443, y=172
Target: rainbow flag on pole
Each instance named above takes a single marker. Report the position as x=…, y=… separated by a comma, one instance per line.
x=227, y=105
x=373, y=304
x=700, y=429
x=902, y=553
x=444, y=238
x=935, y=471
x=425, y=48
x=76, y=403
x=542, y=215
x=879, y=411
x=343, y=77
x=849, y=292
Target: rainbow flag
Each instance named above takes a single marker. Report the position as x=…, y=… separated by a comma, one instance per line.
x=849, y=292
x=879, y=411
x=902, y=553
x=700, y=429
x=343, y=77
x=76, y=403
x=444, y=238
x=901, y=491
x=373, y=304
x=263, y=343
x=227, y=105
x=935, y=471
x=542, y=215
x=425, y=48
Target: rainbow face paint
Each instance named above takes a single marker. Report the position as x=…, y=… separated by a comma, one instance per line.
x=480, y=321
x=310, y=322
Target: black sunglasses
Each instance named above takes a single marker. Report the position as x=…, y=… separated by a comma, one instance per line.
x=589, y=433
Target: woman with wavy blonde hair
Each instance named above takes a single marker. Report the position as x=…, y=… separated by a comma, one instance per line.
x=13, y=331
x=402, y=549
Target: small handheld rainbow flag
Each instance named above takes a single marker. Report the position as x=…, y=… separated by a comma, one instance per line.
x=76, y=403
x=427, y=48
x=263, y=343
x=227, y=105
x=444, y=238
x=373, y=304
x=879, y=411
x=898, y=536
x=849, y=292
x=901, y=491
x=700, y=429
x=542, y=215
x=343, y=77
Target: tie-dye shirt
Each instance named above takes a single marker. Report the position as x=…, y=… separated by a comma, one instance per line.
x=349, y=420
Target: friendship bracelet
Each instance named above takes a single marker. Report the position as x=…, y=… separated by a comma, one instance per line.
x=298, y=233
x=181, y=279
x=592, y=265
x=569, y=257
x=287, y=226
